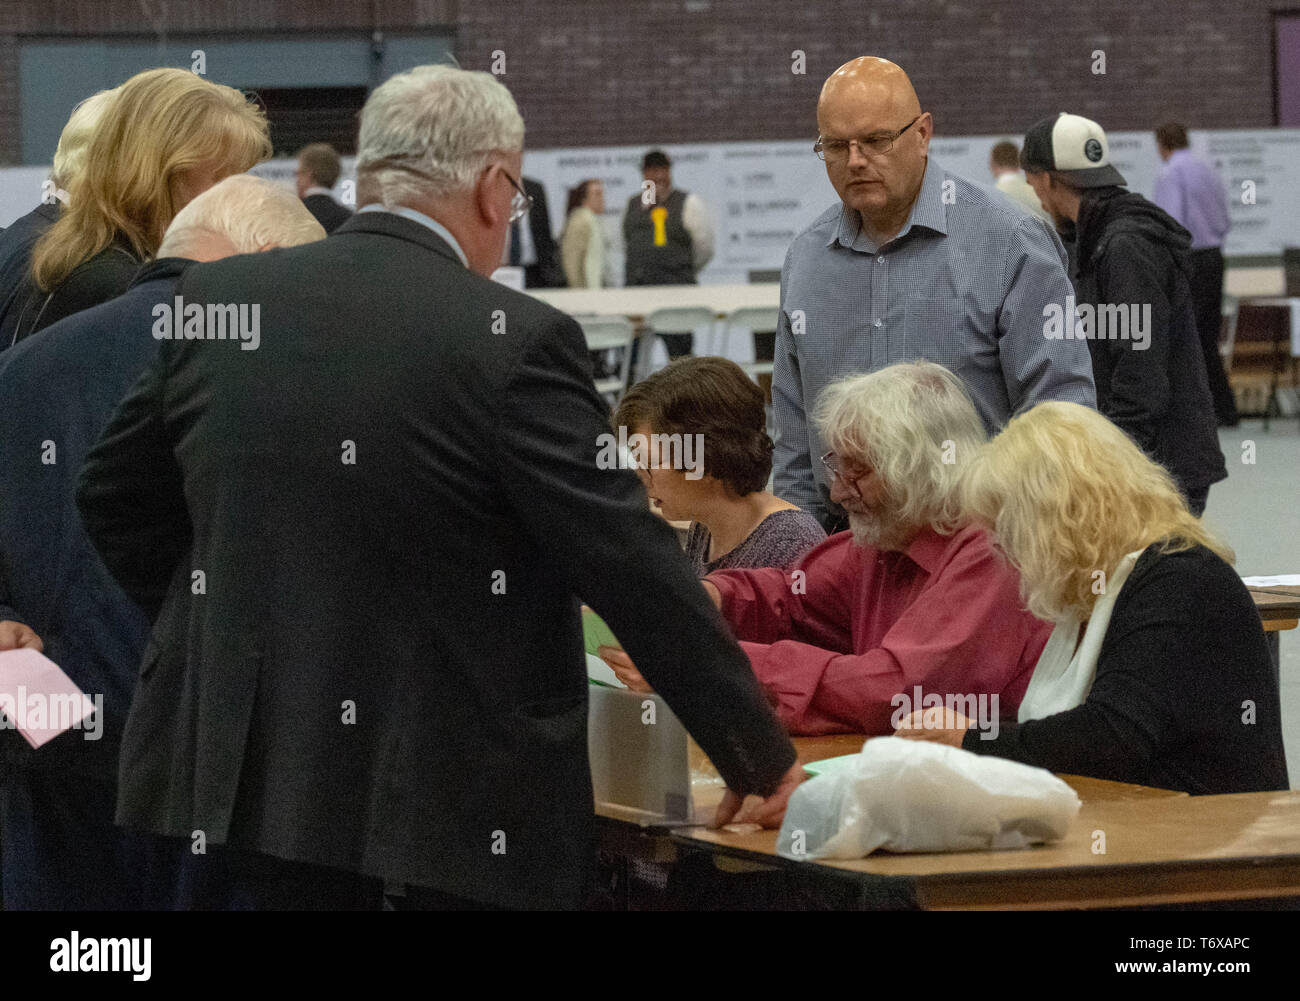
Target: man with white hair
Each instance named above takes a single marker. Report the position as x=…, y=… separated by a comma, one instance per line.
x=57, y=391
x=17, y=242
x=911, y=599
x=365, y=543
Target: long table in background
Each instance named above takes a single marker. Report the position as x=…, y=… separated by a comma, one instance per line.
x=1129, y=846
x=638, y=302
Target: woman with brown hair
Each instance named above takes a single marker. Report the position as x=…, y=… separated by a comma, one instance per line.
x=167, y=136
x=697, y=431
x=736, y=523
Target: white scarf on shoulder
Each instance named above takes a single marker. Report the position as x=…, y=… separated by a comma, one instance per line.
x=1064, y=673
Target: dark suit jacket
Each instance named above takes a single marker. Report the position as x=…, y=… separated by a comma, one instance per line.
x=60, y=386
x=384, y=671
x=547, y=272
x=329, y=213
x=16, y=245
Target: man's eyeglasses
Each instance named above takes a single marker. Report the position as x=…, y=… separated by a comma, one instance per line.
x=834, y=466
x=522, y=203
x=874, y=145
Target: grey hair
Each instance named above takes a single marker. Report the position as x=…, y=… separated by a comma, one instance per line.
x=74, y=140
x=250, y=212
x=430, y=131
x=915, y=425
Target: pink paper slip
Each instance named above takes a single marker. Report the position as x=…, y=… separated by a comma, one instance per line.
x=37, y=698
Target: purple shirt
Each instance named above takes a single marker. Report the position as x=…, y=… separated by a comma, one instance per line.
x=1190, y=191
x=778, y=541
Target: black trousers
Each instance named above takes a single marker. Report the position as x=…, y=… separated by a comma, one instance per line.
x=232, y=879
x=61, y=850
x=1207, y=301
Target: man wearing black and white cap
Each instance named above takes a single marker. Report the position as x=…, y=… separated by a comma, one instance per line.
x=1134, y=302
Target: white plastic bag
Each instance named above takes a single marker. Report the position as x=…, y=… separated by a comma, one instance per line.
x=921, y=796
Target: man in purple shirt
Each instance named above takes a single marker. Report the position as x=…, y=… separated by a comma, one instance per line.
x=1190, y=191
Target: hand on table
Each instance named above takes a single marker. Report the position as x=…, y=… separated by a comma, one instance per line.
x=16, y=636
x=766, y=811
x=952, y=732
x=621, y=664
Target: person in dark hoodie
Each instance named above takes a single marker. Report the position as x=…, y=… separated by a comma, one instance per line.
x=1132, y=281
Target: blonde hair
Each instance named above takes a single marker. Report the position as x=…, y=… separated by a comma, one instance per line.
x=251, y=213
x=158, y=124
x=70, y=155
x=1068, y=494
x=915, y=424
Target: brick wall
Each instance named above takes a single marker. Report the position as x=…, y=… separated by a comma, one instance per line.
x=590, y=72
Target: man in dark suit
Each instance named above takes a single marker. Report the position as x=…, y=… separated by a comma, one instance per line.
x=317, y=173
x=57, y=391
x=365, y=544
x=531, y=244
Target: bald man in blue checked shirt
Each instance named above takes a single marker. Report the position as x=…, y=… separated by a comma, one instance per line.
x=914, y=263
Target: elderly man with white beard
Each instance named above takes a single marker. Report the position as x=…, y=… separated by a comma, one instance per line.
x=909, y=599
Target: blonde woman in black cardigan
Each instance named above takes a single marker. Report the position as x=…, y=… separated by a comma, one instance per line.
x=1157, y=672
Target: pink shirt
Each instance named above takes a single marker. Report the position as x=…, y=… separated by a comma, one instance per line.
x=864, y=625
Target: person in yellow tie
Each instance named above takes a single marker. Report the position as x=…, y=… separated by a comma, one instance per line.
x=667, y=236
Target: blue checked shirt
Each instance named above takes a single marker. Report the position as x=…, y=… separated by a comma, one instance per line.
x=964, y=284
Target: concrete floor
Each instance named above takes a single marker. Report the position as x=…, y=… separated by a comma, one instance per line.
x=1257, y=508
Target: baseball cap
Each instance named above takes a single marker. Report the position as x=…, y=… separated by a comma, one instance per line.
x=1074, y=147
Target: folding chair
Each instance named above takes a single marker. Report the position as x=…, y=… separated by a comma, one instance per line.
x=676, y=324
x=606, y=333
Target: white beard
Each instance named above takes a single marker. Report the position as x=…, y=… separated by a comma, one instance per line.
x=870, y=529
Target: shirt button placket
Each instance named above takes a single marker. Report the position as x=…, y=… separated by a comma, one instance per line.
x=879, y=339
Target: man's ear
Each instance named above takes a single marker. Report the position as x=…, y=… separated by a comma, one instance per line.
x=484, y=198
x=925, y=130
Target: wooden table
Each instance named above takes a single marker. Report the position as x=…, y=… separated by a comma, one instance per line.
x=1161, y=847
x=1279, y=610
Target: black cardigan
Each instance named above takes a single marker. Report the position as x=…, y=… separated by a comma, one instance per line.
x=105, y=276
x=1183, y=655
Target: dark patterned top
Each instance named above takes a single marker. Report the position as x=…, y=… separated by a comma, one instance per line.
x=778, y=541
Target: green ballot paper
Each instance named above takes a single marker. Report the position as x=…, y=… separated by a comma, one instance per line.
x=828, y=766
x=595, y=633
